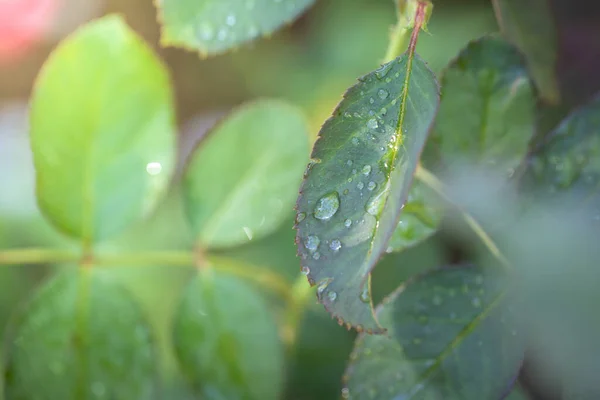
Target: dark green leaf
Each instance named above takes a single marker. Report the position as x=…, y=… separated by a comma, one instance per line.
x=487, y=111
x=530, y=25
x=359, y=177
x=242, y=181
x=101, y=163
x=227, y=342
x=78, y=338
x=450, y=337
x=215, y=26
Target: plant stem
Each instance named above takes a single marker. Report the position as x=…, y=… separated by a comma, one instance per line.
x=398, y=41
x=403, y=31
x=434, y=183
x=37, y=256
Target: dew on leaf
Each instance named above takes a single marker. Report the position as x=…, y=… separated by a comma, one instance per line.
x=372, y=123
x=349, y=163
x=364, y=295
x=382, y=71
x=300, y=217
x=371, y=186
x=316, y=255
x=348, y=223
x=335, y=245
x=327, y=206
x=322, y=286
x=332, y=296
x=355, y=141
x=305, y=270
x=312, y=243
x=360, y=185
x=383, y=94
x=366, y=170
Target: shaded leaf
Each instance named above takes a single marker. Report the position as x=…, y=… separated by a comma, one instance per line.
x=242, y=180
x=359, y=177
x=450, y=337
x=78, y=337
x=226, y=341
x=100, y=163
x=487, y=110
x=215, y=26
x=530, y=25
x=517, y=394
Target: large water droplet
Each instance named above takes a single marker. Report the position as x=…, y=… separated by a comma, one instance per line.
x=335, y=245
x=372, y=123
x=327, y=206
x=383, y=94
x=366, y=170
x=382, y=71
x=312, y=243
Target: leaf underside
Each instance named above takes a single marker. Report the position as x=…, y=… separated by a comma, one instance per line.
x=451, y=336
x=361, y=171
x=215, y=26
x=77, y=338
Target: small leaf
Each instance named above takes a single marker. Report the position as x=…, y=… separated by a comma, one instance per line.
x=215, y=26
x=78, y=337
x=450, y=337
x=530, y=25
x=242, y=180
x=101, y=163
x=226, y=340
x=567, y=162
x=361, y=171
x=487, y=110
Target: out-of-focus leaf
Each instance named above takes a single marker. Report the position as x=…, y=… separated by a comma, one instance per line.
x=487, y=110
x=242, y=180
x=530, y=25
x=451, y=336
x=517, y=394
x=419, y=220
x=78, y=337
x=101, y=164
x=227, y=342
x=215, y=26
x=359, y=177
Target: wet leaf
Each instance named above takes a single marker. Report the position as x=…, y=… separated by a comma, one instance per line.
x=101, y=164
x=530, y=25
x=451, y=336
x=487, y=110
x=77, y=338
x=227, y=342
x=215, y=26
x=361, y=171
x=242, y=180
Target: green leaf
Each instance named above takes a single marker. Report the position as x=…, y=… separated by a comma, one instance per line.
x=79, y=337
x=567, y=162
x=450, y=337
x=530, y=25
x=102, y=131
x=419, y=220
x=215, y=26
x=487, y=111
x=226, y=341
x=361, y=170
x=242, y=180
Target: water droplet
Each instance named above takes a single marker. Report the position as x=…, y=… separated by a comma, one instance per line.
x=335, y=245
x=312, y=243
x=305, y=270
x=360, y=185
x=366, y=170
x=345, y=393
x=355, y=141
x=332, y=296
x=316, y=255
x=382, y=71
x=383, y=94
x=300, y=217
x=364, y=295
x=372, y=123
x=476, y=302
x=230, y=20
x=349, y=163
x=248, y=232
x=437, y=300
x=348, y=223
x=371, y=186
x=323, y=285
x=153, y=168
x=371, y=100
x=327, y=206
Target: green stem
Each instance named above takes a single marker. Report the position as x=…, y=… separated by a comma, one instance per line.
x=399, y=39
x=434, y=183
x=37, y=256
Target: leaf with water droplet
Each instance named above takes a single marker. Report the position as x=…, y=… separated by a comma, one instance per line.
x=245, y=174
x=532, y=28
x=487, y=111
x=428, y=354
x=226, y=341
x=384, y=150
x=216, y=26
x=101, y=164
x=78, y=336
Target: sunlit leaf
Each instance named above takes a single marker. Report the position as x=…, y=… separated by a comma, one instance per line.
x=79, y=337
x=102, y=131
x=359, y=177
x=487, y=110
x=227, y=342
x=215, y=26
x=451, y=336
x=530, y=25
x=242, y=180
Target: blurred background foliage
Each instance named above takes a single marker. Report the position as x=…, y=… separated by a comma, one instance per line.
x=310, y=63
